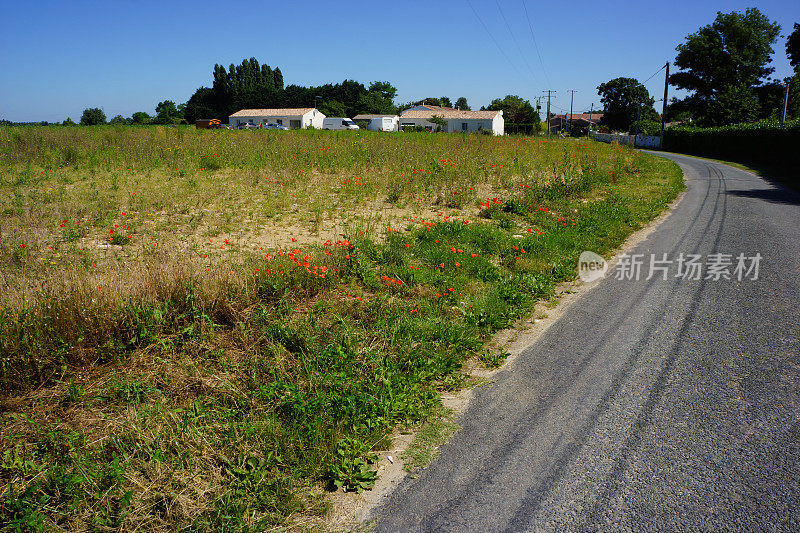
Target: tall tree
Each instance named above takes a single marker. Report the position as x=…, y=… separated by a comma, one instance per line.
x=446, y=101
x=516, y=110
x=93, y=116
x=277, y=77
x=726, y=60
x=793, y=47
x=622, y=99
x=461, y=104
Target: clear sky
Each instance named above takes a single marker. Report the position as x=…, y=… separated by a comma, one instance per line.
x=61, y=57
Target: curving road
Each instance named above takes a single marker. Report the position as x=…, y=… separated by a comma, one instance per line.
x=651, y=405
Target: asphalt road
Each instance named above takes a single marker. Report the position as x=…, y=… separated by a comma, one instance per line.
x=651, y=405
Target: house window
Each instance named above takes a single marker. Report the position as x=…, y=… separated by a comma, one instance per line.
x=280, y=121
x=464, y=126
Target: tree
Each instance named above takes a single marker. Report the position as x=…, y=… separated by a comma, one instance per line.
x=379, y=99
x=429, y=101
x=333, y=108
x=140, y=117
x=251, y=85
x=515, y=110
x=622, y=98
x=726, y=60
x=93, y=116
x=168, y=113
x=793, y=48
x=119, y=119
x=440, y=122
x=201, y=105
x=68, y=122
x=461, y=104
x=445, y=101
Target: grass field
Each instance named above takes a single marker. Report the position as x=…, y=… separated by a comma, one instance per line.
x=206, y=330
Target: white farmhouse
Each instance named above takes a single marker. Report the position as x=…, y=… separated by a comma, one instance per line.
x=294, y=119
x=379, y=122
x=456, y=120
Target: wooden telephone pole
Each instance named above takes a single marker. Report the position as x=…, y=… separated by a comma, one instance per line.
x=549, y=92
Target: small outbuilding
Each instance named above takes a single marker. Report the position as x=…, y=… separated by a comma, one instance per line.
x=378, y=122
x=292, y=118
x=455, y=120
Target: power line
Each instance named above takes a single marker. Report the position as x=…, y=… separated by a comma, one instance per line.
x=493, y=39
x=654, y=74
x=516, y=43
x=536, y=46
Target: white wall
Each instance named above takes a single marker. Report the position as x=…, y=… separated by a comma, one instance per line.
x=454, y=124
x=377, y=124
x=315, y=119
x=418, y=122
x=312, y=118
x=499, y=124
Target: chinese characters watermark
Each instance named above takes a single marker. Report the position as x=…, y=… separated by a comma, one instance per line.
x=633, y=267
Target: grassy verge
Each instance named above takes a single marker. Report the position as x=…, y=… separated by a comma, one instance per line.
x=205, y=347
x=436, y=431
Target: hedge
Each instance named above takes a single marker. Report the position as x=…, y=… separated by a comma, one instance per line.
x=763, y=143
x=523, y=128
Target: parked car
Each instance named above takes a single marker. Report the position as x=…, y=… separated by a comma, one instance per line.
x=248, y=126
x=338, y=123
x=275, y=126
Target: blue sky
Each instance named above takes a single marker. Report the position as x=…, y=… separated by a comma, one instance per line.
x=125, y=56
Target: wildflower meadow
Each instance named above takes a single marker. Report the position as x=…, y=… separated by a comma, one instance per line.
x=207, y=330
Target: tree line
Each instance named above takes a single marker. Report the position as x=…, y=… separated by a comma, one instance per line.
x=725, y=67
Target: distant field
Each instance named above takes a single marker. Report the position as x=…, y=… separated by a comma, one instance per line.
x=208, y=328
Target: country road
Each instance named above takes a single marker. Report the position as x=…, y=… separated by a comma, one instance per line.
x=651, y=404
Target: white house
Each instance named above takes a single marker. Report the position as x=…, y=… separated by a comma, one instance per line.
x=293, y=119
x=379, y=122
x=456, y=120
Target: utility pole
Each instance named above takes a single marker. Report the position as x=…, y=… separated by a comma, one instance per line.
x=538, y=105
x=785, y=101
x=664, y=105
x=589, y=126
x=636, y=134
x=571, y=97
x=549, y=92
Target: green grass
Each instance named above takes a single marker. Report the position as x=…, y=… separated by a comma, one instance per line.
x=424, y=449
x=269, y=322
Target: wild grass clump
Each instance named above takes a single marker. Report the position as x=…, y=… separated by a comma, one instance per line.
x=208, y=374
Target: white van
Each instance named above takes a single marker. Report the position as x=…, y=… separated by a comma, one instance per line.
x=338, y=123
